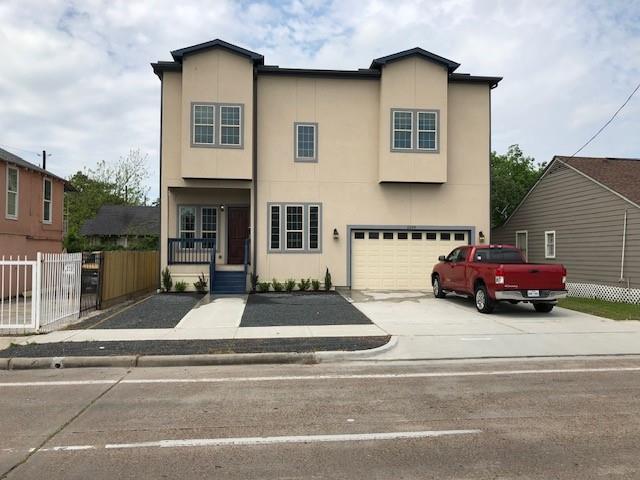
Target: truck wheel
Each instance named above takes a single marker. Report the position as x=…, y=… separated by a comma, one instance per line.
x=437, y=288
x=543, y=307
x=484, y=303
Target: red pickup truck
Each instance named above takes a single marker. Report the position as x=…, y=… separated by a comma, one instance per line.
x=493, y=273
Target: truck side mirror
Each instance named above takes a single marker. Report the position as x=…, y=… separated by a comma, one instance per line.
x=442, y=258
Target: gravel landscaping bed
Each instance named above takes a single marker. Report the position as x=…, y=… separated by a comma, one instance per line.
x=194, y=347
x=289, y=309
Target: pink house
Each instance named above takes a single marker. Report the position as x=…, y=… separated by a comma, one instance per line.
x=31, y=208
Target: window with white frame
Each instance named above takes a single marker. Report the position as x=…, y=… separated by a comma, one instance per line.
x=274, y=227
x=203, y=124
x=550, y=244
x=522, y=242
x=402, y=130
x=230, y=119
x=294, y=227
x=209, y=225
x=13, y=178
x=187, y=225
x=306, y=141
x=47, y=186
x=314, y=227
x=427, y=130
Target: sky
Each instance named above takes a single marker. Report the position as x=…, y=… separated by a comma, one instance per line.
x=75, y=76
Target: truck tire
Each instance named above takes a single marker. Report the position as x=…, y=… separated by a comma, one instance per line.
x=483, y=301
x=437, y=288
x=543, y=307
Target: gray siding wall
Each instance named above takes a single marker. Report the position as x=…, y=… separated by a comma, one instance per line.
x=588, y=220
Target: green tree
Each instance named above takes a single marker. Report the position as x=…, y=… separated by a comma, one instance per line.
x=512, y=175
x=126, y=177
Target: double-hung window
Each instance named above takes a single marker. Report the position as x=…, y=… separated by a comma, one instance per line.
x=294, y=227
x=306, y=142
x=46, y=200
x=13, y=177
x=402, y=130
x=550, y=244
x=230, y=119
x=203, y=124
x=427, y=130
x=187, y=224
x=208, y=225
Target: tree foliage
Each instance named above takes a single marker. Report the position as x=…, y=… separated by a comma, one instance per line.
x=512, y=175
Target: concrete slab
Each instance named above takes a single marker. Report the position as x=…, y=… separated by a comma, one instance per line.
x=346, y=330
x=214, y=312
x=273, y=332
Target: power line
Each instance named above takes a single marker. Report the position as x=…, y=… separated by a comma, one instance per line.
x=608, y=122
x=19, y=149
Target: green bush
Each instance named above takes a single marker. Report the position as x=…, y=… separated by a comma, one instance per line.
x=167, y=282
x=315, y=285
x=327, y=280
x=263, y=287
x=289, y=285
x=201, y=284
x=277, y=286
x=181, y=286
x=304, y=284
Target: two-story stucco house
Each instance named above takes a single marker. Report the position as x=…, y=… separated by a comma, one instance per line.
x=371, y=173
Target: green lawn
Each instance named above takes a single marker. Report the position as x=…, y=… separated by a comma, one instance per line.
x=602, y=308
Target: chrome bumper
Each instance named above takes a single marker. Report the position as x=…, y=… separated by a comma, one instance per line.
x=552, y=296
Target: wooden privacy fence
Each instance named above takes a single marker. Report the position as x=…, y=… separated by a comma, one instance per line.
x=126, y=274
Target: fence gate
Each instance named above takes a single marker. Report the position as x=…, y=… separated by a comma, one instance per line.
x=40, y=295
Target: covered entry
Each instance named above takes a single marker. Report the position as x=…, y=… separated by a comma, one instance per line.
x=399, y=259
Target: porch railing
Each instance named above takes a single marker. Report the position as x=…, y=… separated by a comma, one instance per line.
x=191, y=251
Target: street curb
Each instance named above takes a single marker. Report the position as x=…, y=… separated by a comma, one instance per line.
x=357, y=354
x=19, y=363
x=223, y=359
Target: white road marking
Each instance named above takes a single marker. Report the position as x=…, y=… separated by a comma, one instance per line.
x=475, y=339
x=355, y=376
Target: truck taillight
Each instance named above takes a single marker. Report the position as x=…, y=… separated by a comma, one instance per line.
x=499, y=280
x=564, y=275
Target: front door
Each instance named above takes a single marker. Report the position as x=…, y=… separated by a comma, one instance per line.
x=237, y=233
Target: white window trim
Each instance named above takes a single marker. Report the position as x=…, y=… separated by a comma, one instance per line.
x=306, y=158
x=435, y=131
x=202, y=230
x=394, y=130
x=213, y=125
x=309, y=207
x=546, y=253
x=44, y=200
x=239, y=126
x=279, y=247
x=17, y=192
x=286, y=229
x=526, y=241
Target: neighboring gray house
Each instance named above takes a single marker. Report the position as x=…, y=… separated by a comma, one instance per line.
x=585, y=213
x=122, y=224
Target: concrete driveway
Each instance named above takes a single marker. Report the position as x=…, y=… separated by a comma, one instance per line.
x=430, y=328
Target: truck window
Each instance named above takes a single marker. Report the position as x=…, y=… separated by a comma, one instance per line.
x=498, y=255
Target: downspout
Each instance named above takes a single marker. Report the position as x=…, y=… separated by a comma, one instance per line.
x=489, y=233
x=624, y=245
x=254, y=246
x=160, y=189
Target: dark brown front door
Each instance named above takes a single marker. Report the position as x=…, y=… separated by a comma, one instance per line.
x=237, y=233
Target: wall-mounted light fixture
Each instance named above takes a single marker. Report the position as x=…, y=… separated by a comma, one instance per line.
x=481, y=236
x=222, y=208
x=335, y=233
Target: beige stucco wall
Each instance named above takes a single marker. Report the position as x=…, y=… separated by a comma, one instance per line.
x=412, y=83
x=217, y=76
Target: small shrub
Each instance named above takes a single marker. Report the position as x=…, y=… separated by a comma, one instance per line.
x=263, y=287
x=181, y=286
x=201, y=284
x=327, y=280
x=254, y=281
x=304, y=284
x=167, y=282
x=289, y=285
x=277, y=286
x=315, y=285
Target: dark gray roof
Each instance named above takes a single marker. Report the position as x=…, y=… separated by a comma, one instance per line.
x=123, y=220
x=466, y=77
x=315, y=72
x=217, y=43
x=450, y=64
x=21, y=162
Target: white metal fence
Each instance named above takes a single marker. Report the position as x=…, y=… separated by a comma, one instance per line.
x=39, y=295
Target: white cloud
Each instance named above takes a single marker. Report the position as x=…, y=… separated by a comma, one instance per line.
x=75, y=75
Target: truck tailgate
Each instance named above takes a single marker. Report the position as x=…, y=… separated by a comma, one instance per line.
x=530, y=276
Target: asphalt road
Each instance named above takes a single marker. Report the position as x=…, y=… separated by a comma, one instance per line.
x=546, y=419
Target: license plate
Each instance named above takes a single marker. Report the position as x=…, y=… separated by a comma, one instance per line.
x=533, y=293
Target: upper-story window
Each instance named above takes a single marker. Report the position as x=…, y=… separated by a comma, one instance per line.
x=216, y=125
x=414, y=130
x=47, y=199
x=306, y=142
x=13, y=176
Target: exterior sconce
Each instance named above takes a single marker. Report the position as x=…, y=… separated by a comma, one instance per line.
x=222, y=208
x=481, y=236
x=335, y=234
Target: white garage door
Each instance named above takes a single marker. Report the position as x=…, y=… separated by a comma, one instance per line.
x=398, y=260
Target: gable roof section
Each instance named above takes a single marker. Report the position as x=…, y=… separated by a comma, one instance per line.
x=417, y=51
x=21, y=162
x=119, y=220
x=217, y=43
